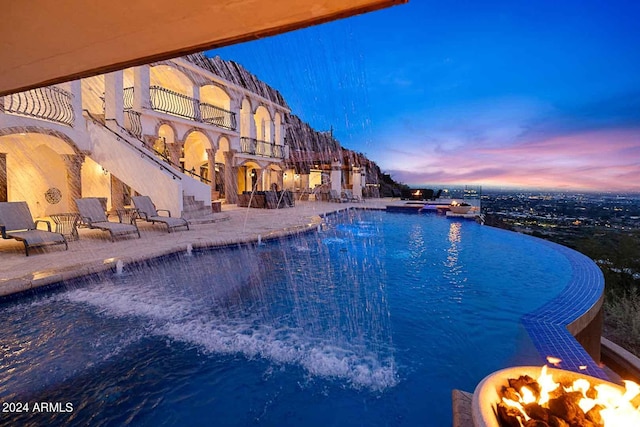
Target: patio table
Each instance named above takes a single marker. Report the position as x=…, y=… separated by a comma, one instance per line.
x=67, y=224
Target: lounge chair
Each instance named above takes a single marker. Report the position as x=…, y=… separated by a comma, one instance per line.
x=17, y=223
x=93, y=216
x=334, y=196
x=147, y=211
x=348, y=194
x=288, y=199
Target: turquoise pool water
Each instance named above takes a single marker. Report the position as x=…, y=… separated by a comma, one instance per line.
x=371, y=321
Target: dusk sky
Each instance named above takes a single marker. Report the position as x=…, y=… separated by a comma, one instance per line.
x=500, y=93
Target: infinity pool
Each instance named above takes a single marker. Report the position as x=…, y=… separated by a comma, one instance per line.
x=371, y=321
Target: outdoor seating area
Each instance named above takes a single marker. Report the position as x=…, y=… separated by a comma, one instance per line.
x=16, y=222
x=146, y=211
x=420, y=194
x=266, y=199
x=346, y=196
x=92, y=215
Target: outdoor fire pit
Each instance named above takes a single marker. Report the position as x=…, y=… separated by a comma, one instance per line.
x=533, y=396
x=459, y=208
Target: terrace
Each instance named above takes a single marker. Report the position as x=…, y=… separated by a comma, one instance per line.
x=91, y=253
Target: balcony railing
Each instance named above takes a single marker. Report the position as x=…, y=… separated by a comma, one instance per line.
x=260, y=148
x=217, y=116
x=127, y=95
x=133, y=123
x=49, y=103
x=177, y=104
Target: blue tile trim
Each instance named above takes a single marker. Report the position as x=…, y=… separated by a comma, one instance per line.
x=547, y=326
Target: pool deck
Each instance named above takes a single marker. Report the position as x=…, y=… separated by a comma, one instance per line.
x=95, y=252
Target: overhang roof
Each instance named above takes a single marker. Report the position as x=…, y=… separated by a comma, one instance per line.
x=44, y=42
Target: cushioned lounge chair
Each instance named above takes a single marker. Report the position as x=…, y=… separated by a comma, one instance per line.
x=93, y=215
x=334, y=196
x=17, y=223
x=147, y=211
x=348, y=194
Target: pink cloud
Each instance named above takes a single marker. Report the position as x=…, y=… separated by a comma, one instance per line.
x=598, y=160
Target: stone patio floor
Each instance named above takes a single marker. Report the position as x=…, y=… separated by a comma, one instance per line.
x=95, y=252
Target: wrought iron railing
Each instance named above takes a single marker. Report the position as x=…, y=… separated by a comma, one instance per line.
x=177, y=104
x=133, y=123
x=260, y=148
x=263, y=148
x=49, y=103
x=127, y=98
x=278, y=152
x=168, y=101
x=248, y=145
x=217, y=116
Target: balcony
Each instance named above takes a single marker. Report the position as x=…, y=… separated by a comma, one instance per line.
x=48, y=103
x=260, y=148
x=177, y=104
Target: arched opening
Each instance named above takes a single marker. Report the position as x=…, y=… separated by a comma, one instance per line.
x=274, y=180
x=246, y=119
x=172, y=92
x=34, y=170
x=194, y=159
x=163, y=145
x=249, y=177
x=263, y=124
x=215, y=96
x=172, y=79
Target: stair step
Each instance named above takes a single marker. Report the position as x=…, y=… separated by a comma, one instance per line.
x=194, y=209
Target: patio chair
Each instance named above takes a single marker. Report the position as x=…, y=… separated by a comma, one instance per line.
x=17, y=223
x=93, y=216
x=334, y=196
x=348, y=194
x=147, y=211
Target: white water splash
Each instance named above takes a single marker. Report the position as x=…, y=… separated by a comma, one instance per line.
x=187, y=321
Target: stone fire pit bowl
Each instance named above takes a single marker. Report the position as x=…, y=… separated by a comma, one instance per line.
x=485, y=396
x=460, y=209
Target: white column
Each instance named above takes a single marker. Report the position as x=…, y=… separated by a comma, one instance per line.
x=76, y=104
x=356, y=181
x=270, y=131
x=113, y=97
x=211, y=159
x=234, y=107
x=336, y=176
x=252, y=126
x=196, y=104
x=141, y=83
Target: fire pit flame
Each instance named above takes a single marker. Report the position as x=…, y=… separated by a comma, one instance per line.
x=577, y=403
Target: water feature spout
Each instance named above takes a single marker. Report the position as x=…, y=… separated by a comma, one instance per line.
x=189, y=249
x=259, y=239
x=119, y=266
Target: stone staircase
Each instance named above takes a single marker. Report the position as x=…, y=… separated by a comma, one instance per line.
x=194, y=209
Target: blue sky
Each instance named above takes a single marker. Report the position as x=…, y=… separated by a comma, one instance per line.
x=501, y=93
